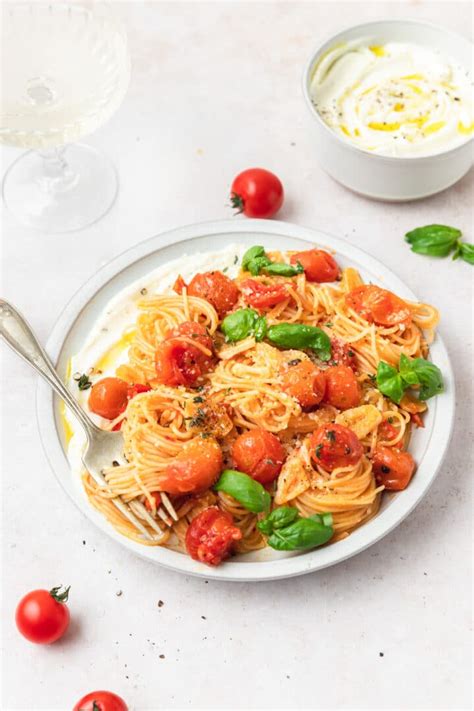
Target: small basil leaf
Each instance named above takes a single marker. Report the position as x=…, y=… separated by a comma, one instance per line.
x=389, y=381
x=244, y=489
x=430, y=377
x=299, y=336
x=239, y=324
x=280, y=269
x=407, y=373
x=467, y=252
x=260, y=328
x=278, y=518
x=256, y=265
x=433, y=240
x=303, y=533
x=252, y=253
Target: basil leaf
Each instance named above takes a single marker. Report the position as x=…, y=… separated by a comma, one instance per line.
x=260, y=328
x=389, y=381
x=430, y=377
x=407, y=373
x=252, y=253
x=278, y=518
x=433, y=240
x=299, y=336
x=303, y=533
x=239, y=324
x=467, y=252
x=324, y=518
x=256, y=265
x=244, y=489
x=281, y=269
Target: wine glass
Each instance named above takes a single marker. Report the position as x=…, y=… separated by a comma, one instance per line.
x=65, y=71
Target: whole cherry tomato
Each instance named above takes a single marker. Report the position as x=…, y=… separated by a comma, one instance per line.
x=195, y=468
x=211, y=535
x=101, y=701
x=259, y=454
x=216, y=288
x=257, y=193
x=109, y=397
x=305, y=382
x=392, y=468
x=342, y=388
x=43, y=617
x=318, y=265
x=263, y=296
x=378, y=305
x=333, y=446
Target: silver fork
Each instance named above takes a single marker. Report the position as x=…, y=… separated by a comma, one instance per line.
x=103, y=448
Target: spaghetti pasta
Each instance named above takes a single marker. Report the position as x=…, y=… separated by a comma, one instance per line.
x=212, y=391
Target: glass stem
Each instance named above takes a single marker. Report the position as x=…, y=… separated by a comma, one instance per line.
x=58, y=177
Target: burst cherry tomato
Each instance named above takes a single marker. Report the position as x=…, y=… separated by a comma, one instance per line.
x=195, y=468
x=378, y=305
x=179, y=362
x=388, y=433
x=333, y=446
x=211, y=535
x=342, y=354
x=259, y=454
x=305, y=382
x=155, y=495
x=137, y=389
x=101, y=701
x=342, y=388
x=318, y=265
x=43, y=617
x=109, y=397
x=257, y=193
x=263, y=296
x=216, y=288
x=392, y=468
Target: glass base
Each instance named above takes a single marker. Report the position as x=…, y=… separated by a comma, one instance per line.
x=52, y=200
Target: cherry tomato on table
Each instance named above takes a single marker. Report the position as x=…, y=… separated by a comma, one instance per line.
x=392, y=468
x=342, y=388
x=333, y=446
x=257, y=193
x=318, y=265
x=263, y=296
x=211, y=535
x=101, y=701
x=43, y=617
x=305, y=382
x=259, y=454
x=217, y=288
x=378, y=305
x=179, y=362
x=195, y=468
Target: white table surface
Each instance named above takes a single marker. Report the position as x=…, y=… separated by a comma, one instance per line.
x=216, y=89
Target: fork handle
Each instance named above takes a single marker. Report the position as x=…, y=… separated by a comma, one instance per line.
x=19, y=336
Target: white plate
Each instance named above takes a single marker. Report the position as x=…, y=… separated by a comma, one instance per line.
x=428, y=445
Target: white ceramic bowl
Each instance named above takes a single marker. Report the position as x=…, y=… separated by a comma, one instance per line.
x=428, y=445
x=390, y=178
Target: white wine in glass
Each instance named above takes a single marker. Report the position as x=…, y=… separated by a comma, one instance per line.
x=65, y=70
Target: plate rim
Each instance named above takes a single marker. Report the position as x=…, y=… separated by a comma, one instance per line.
x=242, y=571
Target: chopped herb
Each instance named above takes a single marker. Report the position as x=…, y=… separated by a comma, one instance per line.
x=198, y=398
x=144, y=291
x=206, y=435
x=390, y=420
x=226, y=269
x=115, y=463
x=318, y=451
x=83, y=382
x=236, y=259
x=351, y=354
x=331, y=435
x=199, y=418
x=329, y=324
x=295, y=361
